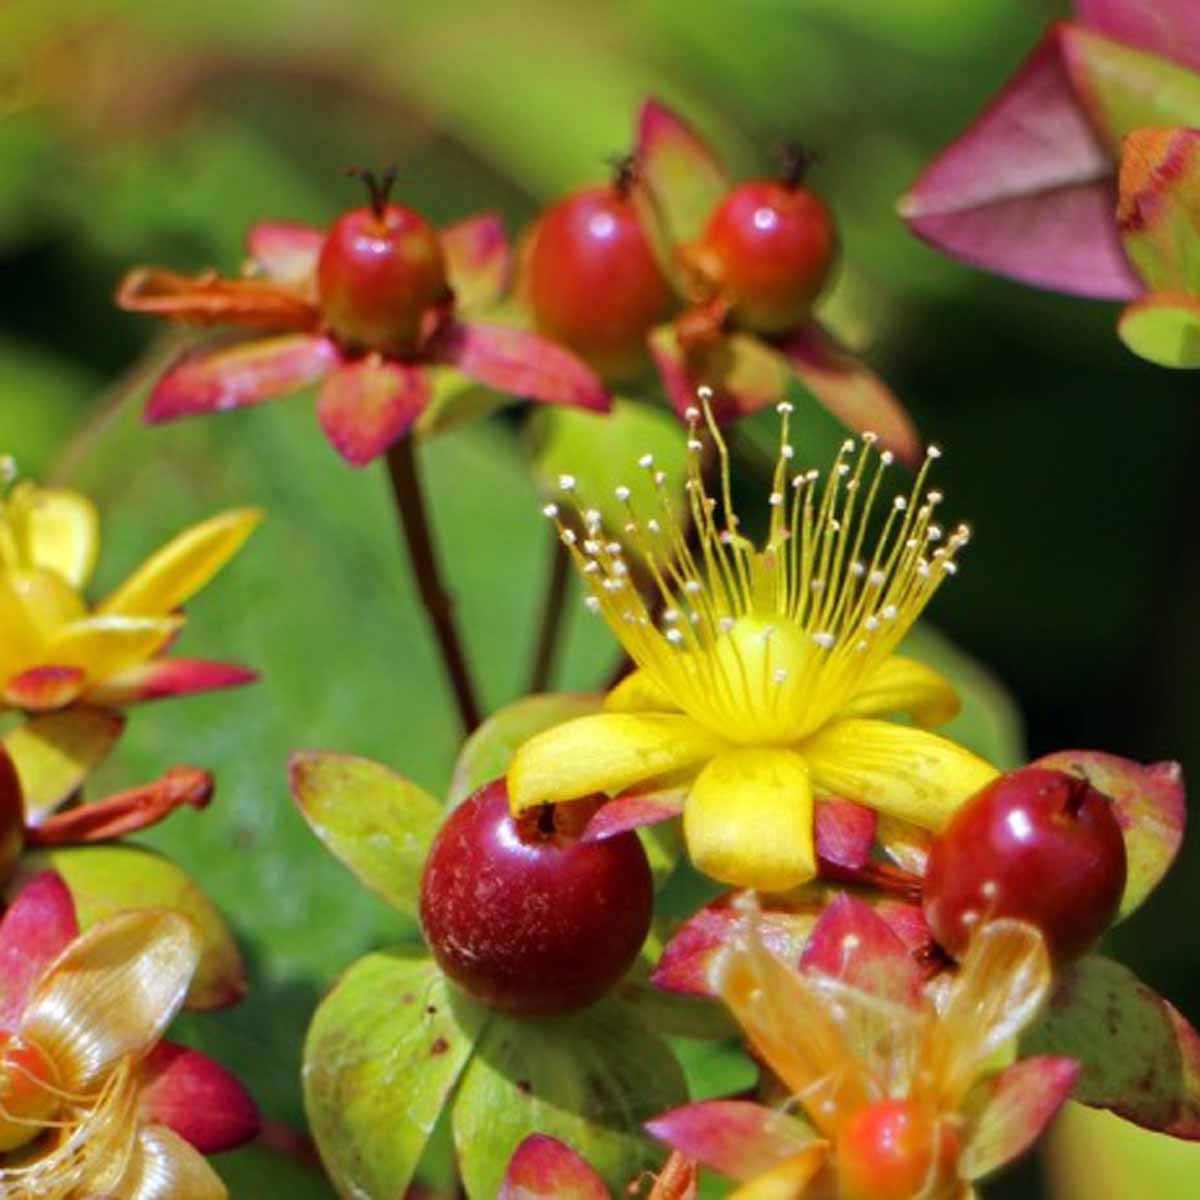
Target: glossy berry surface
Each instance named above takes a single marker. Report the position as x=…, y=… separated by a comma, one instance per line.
x=769, y=248
x=380, y=271
x=27, y=1101
x=1040, y=845
x=591, y=282
x=523, y=915
x=894, y=1150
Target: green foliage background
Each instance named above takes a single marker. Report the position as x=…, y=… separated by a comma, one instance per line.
x=155, y=131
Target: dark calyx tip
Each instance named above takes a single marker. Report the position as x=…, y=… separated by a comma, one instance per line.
x=624, y=173
x=379, y=186
x=795, y=161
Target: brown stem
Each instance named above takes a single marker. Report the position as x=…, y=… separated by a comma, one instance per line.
x=414, y=520
x=550, y=633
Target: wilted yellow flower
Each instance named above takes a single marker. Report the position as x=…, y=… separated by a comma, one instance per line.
x=54, y=650
x=762, y=674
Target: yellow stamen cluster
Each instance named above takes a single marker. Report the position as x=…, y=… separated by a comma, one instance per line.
x=763, y=646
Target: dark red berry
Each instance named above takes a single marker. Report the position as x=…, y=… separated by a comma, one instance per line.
x=591, y=281
x=381, y=270
x=768, y=249
x=1040, y=845
x=526, y=917
x=896, y=1150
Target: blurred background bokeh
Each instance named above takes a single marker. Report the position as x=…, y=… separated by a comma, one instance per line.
x=155, y=131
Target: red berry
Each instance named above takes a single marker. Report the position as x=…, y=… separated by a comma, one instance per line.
x=896, y=1150
x=380, y=271
x=526, y=917
x=29, y=1095
x=1040, y=845
x=591, y=281
x=768, y=248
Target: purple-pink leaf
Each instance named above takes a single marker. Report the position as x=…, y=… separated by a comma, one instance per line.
x=850, y=390
x=520, y=364
x=543, y=1168
x=1013, y=1109
x=223, y=375
x=1028, y=190
x=736, y=1138
x=38, y=925
x=365, y=406
x=854, y=944
x=163, y=678
x=478, y=261
x=845, y=832
x=633, y=810
x=1149, y=804
x=1167, y=27
x=284, y=251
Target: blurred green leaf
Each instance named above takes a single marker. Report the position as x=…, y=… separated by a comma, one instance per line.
x=1163, y=329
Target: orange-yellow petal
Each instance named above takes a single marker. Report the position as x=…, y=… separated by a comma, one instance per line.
x=112, y=992
x=106, y=645
x=183, y=566
x=21, y=638
x=903, y=685
x=904, y=772
x=638, y=692
x=787, y=1181
x=607, y=752
x=165, y=1167
x=749, y=820
x=61, y=531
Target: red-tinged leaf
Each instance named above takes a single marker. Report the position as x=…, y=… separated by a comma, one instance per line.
x=196, y=1097
x=1027, y=191
x=1163, y=328
x=519, y=364
x=223, y=375
x=366, y=406
x=678, y=182
x=845, y=832
x=736, y=1138
x=1012, y=1109
x=44, y=688
x=1167, y=27
x=1138, y=1056
x=907, y=922
x=211, y=300
x=1149, y=804
x=37, y=927
x=285, y=251
x=633, y=810
x=479, y=261
x=854, y=944
x=850, y=390
x=1158, y=212
x=126, y=812
x=743, y=373
x=545, y=1167
x=163, y=678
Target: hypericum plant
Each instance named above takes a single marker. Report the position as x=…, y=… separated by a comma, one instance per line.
x=56, y=651
x=92, y=1100
x=763, y=673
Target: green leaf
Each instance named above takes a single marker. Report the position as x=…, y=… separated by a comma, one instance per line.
x=55, y=752
x=377, y=822
x=716, y=1069
x=108, y=879
x=488, y=751
x=589, y=1080
x=383, y=1054
x=1164, y=329
x=1140, y=1058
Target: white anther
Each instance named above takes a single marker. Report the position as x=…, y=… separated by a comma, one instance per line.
x=876, y=578
x=780, y=675
x=775, y=499
x=647, y=460
x=670, y=615
x=887, y=458
x=871, y=623
x=591, y=603
x=857, y=569
x=784, y=408
x=695, y=445
x=825, y=640
x=550, y=510
x=691, y=413
x=692, y=586
x=660, y=477
x=900, y=504
x=725, y=624
x=890, y=612
x=653, y=525
x=933, y=452
x=787, y=452
x=567, y=482
x=591, y=546
x=674, y=637
x=568, y=537
x=622, y=492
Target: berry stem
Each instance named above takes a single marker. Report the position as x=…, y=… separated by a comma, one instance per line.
x=405, y=479
x=795, y=162
x=550, y=631
x=624, y=173
x=378, y=186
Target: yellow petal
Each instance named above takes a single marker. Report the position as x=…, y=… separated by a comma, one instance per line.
x=21, y=637
x=638, y=692
x=787, y=1181
x=749, y=820
x=604, y=753
x=165, y=1167
x=904, y=772
x=62, y=532
x=903, y=685
x=104, y=646
x=183, y=566
x=112, y=992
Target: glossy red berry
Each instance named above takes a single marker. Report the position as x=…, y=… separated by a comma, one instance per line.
x=768, y=249
x=591, y=281
x=381, y=270
x=896, y=1150
x=1040, y=845
x=526, y=917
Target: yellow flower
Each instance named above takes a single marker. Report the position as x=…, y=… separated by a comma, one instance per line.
x=54, y=650
x=762, y=674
